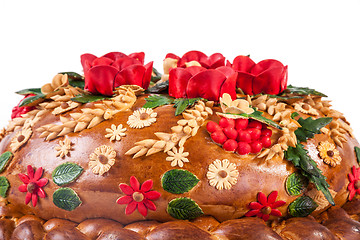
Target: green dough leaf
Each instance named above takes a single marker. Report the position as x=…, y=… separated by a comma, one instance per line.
x=154, y=101
x=310, y=127
x=66, y=173
x=181, y=104
x=184, y=209
x=296, y=184
x=4, y=186
x=4, y=159
x=29, y=91
x=302, y=206
x=86, y=98
x=31, y=101
x=73, y=75
x=66, y=198
x=178, y=181
x=303, y=91
x=156, y=76
x=357, y=152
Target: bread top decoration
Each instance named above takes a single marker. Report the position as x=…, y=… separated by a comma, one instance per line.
x=208, y=137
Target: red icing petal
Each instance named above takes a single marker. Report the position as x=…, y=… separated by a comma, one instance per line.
x=134, y=183
x=38, y=173
x=206, y=84
x=147, y=75
x=262, y=198
x=276, y=213
x=352, y=194
x=272, y=197
x=124, y=200
x=28, y=197
x=23, y=188
x=351, y=177
x=193, y=70
x=140, y=56
x=229, y=86
x=252, y=213
x=243, y=64
x=130, y=208
x=30, y=172
x=102, y=61
x=265, y=65
x=24, y=178
x=265, y=217
x=86, y=61
x=124, y=62
x=126, y=189
x=100, y=79
x=268, y=81
x=42, y=182
x=173, y=56
x=41, y=193
x=142, y=209
x=278, y=204
x=152, y=195
x=245, y=82
x=115, y=55
x=255, y=205
x=34, y=199
x=216, y=60
x=194, y=56
x=284, y=77
x=131, y=75
x=178, y=80
x=146, y=186
x=149, y=204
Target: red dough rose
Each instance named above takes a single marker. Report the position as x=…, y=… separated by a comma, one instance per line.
x=268, y=76
x=104, y=74
x=19, y=111
x=214, y=61
x=197, y=81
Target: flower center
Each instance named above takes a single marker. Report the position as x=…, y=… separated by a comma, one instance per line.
x=20, y=138
x=266, y=210
x=31, y=187
x=330, y=153
x=144, y=116
x=222, y=173
x=103, y=159
x=64, y=105
x=138, y=196
x=357, y=184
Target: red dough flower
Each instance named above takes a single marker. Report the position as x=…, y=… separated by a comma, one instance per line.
x=138, y=196
x=268, y=76
x=19, y=111
x=264, y=207
x=104, y=74
x=197, y=81
x=33, y=184
x=214, y=61
x=354, y=185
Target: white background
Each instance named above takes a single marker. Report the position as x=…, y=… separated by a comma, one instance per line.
x=319, y=40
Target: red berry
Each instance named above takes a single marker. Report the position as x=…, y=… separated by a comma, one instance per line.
x=243, y=148
x=218, y=137
x=266, y=132
x=243, y=136
x=265, y=141
x=230, y=132
x=226, y=122
x=212, y=126
x=255, y=147
x=241, y=123
x=255, y=133
x=255, y=124
x=230, y=145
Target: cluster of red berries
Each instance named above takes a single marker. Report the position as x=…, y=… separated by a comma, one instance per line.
x=243, y=136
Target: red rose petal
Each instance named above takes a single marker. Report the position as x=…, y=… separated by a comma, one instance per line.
x=146, y=186
x=131, y=75
x=173, y=56
x=245, y=82
x=147, y=75
x=126, y=189
x=178, y=80
x=100, y=79
x=86, y=61
x=142, y=209
x=130, y=208
x=193, y=70
x=124, y=200
x=115, y=55
x=284, y=77
x=266, y=65
x=216, y=60
x=140, y=56
x=194, y=56
x=243, y=64
x=206, y=84
x=268, y=81
x=102, y=61
x=229, y=86
x=134, y=183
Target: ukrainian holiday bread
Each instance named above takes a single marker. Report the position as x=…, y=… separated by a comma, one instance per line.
x=210, y=149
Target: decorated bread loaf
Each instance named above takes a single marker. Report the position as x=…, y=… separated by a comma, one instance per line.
x=210, y=149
